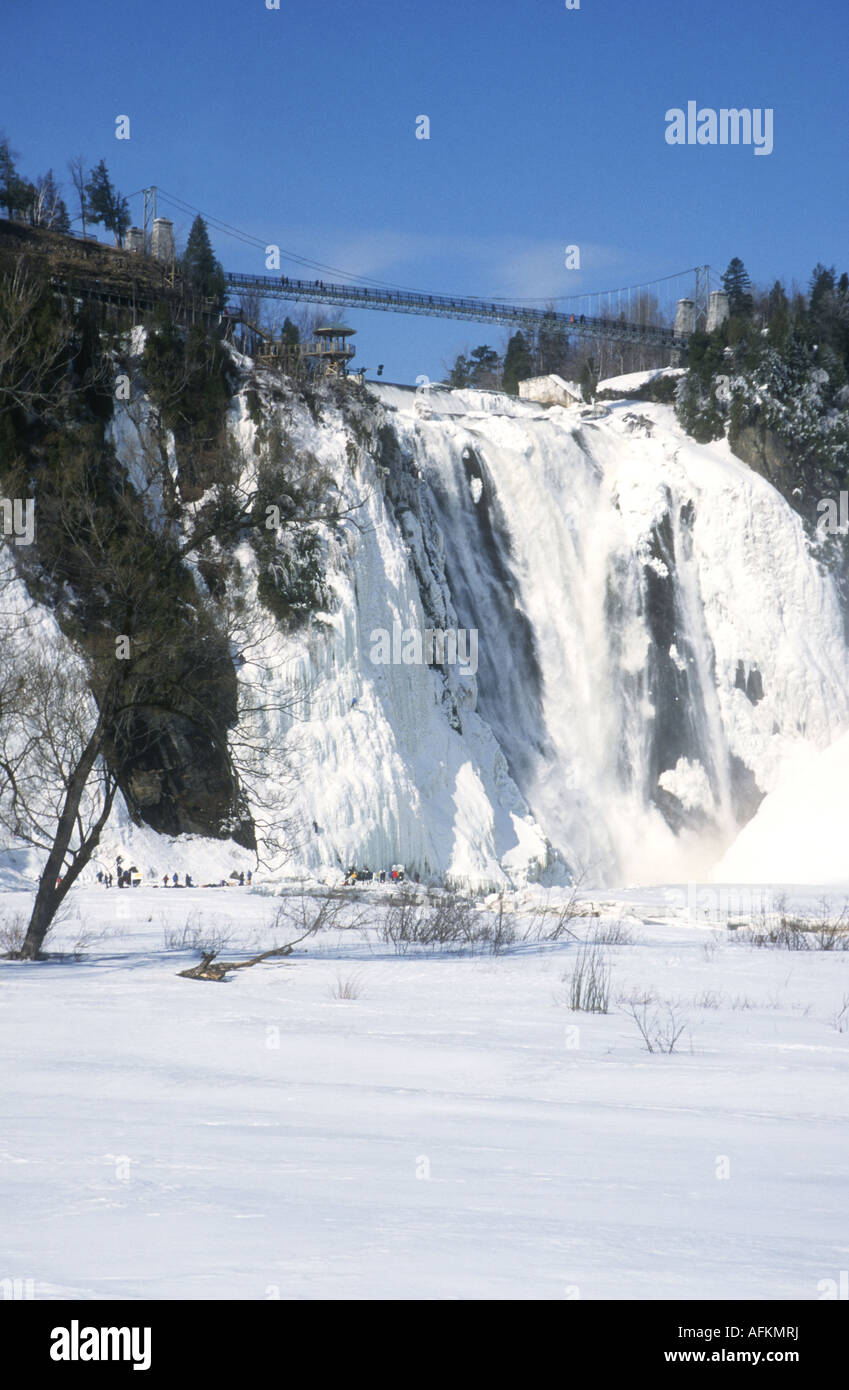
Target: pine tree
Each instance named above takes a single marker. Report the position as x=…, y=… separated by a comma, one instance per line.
x=200, y=267
x=105, y=204
x=483, y=362
x=778, y=315
x=61, y=221
x=738, y=287
x=11, y=185
x=589, y=379
x=517, y=363
x=552, y=346
x=460, y=374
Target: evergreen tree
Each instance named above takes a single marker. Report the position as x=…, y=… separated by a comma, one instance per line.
x=61, y=221
x=842, y=316
x=552, y=346
x=778, y=315
x=823, y=308
x=589, y=379
x=12, y=188
x=738, y=287
x=290, y=334
x=483, y=364
x=460, y=374
x=105, y=204
x=200, y=267
x=517, y=363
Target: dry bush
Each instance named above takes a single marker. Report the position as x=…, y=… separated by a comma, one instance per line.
x=819, y=931
x=841, y=1016
x=447, y=922
x=708, y=999
x=613, y=934
x=742, y=1002
x=588, y=982
x=660, y=1030
x=351, y=988
x=13, y=929
x=196, y=936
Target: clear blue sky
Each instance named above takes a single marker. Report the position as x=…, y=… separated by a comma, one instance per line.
x=547, y=129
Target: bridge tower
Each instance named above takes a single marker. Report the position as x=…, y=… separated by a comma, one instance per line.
x=685, y=318
x=717, y=310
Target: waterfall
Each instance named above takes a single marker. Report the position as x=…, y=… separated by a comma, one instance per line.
x=621, y=577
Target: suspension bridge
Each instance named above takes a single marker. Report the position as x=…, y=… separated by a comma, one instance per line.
x=660, y=313
x=614, y=322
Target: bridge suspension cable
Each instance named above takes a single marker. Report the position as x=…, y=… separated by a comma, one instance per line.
x=308, y=263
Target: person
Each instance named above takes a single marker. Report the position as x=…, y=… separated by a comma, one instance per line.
x=383, y=875
x=175, y=880
x=189, y=883
x=571, y=318
x=242, y=879
x=583, y=318
x=250, y=877
x=164, y=880
x=99, y=877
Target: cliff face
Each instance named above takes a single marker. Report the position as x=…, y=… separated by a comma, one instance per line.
x=637, y=635
x=618, y=579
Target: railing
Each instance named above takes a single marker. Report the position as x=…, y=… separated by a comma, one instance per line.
x=356, y=296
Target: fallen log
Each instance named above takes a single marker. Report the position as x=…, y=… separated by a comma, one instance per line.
x=208, y=968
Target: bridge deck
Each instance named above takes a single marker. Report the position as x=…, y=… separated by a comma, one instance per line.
x=444, y=307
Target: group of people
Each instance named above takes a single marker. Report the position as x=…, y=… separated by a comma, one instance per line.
x=131, y=878
x=125, y=878
x=365, y=875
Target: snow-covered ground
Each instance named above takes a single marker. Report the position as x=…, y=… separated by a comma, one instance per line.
x=453, y=1131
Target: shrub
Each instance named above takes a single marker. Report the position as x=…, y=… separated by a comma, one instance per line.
x=589, y=980
x=347, y=989
x=661, y=1031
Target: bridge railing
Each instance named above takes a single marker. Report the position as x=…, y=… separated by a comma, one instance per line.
x=352, y=295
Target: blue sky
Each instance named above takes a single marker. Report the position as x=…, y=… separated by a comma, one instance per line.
x=547, y=129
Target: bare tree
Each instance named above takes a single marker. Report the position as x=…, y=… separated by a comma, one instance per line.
x=79, y=179
x=32, y=352
x=56, y=792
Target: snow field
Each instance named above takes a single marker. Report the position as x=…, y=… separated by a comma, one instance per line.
x=453, y=1131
